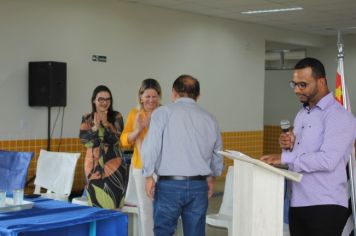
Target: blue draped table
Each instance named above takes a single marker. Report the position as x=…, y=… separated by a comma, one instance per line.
x=51, y=217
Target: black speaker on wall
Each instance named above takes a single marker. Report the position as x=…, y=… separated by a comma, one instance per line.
x=48, y=83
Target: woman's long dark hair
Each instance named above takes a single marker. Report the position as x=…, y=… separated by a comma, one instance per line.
x=111, y=113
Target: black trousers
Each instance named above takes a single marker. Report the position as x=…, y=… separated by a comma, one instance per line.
x=323, y=220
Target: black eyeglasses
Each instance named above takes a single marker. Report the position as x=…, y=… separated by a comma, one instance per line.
x=300, y=85
x=100, y=99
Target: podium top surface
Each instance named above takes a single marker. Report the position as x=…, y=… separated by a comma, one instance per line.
x=235, y=155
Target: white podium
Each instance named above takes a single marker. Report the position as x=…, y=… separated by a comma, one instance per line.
x=258, y=196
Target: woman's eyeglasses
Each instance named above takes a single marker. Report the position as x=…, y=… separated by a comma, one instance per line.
x=101, y=100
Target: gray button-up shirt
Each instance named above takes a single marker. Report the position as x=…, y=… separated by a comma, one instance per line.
x=183, y=139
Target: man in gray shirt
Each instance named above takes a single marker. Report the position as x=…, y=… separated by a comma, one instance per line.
x=181, y=148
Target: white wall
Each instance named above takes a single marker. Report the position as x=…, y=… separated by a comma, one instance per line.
x=139, y=42
x=328, y=55
x=280, y=101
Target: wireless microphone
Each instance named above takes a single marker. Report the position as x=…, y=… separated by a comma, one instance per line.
x=285, y=125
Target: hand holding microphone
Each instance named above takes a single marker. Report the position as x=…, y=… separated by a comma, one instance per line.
x=285, y=125
x=286, y=139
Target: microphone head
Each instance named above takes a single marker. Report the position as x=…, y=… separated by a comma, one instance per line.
x=285, y=125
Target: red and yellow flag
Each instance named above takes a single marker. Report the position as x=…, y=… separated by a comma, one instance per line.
x=341, y=94
x=338, y=87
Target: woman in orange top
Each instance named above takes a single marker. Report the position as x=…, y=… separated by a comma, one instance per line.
x=137, y=123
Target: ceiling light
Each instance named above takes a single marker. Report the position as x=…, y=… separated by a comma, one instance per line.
x=273, y=10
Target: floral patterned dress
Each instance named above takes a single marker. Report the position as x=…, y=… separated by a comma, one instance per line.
x=105, y=171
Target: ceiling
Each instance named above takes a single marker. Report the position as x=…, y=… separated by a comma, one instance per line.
x=322, y=17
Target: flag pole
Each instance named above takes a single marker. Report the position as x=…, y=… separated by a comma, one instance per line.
x=340, y=56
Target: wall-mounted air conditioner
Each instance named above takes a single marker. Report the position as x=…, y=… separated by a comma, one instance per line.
x=283, y=59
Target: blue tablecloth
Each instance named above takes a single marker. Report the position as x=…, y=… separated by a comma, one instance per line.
x=50, y=217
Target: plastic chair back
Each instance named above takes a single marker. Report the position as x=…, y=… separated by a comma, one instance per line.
x=131, y=195
x=227, y=202
x=13, y=169
x=55, y=172
x=224, y=217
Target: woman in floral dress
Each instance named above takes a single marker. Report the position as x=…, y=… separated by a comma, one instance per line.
x=105, y=171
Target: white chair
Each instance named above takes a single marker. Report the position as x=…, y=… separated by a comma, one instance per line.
x=55, y=172
x=83, y=200
x=224, y=218
x=131, y=195
x=130, y=205
x=134, y=211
